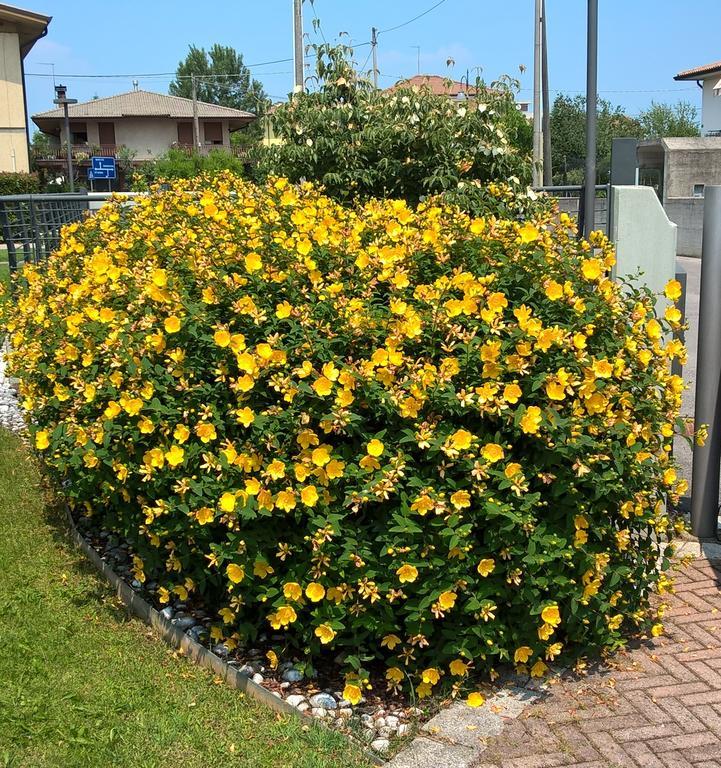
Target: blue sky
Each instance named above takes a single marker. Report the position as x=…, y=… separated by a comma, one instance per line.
x=642, y=43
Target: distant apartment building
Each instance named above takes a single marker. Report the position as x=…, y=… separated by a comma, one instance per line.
x=19, y=31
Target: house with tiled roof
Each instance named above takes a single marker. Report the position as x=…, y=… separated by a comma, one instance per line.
x=444, y=86
x=708, y=77
x=141, y=124
x=19, y=31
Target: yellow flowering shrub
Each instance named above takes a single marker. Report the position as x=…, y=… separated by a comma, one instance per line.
x=428, y=441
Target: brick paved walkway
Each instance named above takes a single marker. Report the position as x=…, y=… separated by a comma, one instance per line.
x=658, y=707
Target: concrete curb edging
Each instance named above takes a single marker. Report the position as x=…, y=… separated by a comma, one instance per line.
x=176, y=638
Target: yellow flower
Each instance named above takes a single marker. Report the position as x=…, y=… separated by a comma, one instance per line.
x=309, y=496
x=262, y=569
x=407, y=573
x=292, y=591
x=227, y=502
x=551, y=615
x=324, y=633
x=492, y=452
x=236, y=573
x=285, y=500
x=206, y=432
x=447, y=600
x=321, y=455
x=315, y=592
x=159, y=277
x=204, y=515
x=486, y=566
x=245, y=416
x=528, y=233
x=553, y=290
x=461, y=440
x=539, y=669
x=276, y=469
x=592, y=269
x=458, y=668
x=323, y=386
x=181, y=433
x=175, y=456
x=283, y=310
x=352, y=693
x=656, y=630
x=430, y=676
x=390, y=642
x=172, y=324
x=461, y=499
x=253, y=262
x=284, y=616
x=475, y=699
x=673, y=290
x=522, y=654
x=512, y=393
x=42, y=440
x=394, y=675
x=375, y=448
x=531, y=420
x=221, y=337
x=653, y=329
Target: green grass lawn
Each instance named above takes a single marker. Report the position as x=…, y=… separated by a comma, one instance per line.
x=83, y=685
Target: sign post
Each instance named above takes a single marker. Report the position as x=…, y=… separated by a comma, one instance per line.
x=102, y=168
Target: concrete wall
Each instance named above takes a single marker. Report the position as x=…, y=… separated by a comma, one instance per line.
x=148, y=136
x=645, y=239
x=687, y=214
x=13, y=137
x=686, y=167
x=710, y=106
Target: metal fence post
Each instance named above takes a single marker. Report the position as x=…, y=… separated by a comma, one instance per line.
x=706, y=458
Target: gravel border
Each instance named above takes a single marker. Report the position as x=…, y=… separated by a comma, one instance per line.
x=455, y=737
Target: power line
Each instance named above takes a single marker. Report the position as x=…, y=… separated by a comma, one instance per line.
x=410, y=21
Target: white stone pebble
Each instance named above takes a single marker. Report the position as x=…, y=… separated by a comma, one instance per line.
x=11, y=416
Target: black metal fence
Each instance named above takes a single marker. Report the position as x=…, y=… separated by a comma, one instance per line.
x=30, y=224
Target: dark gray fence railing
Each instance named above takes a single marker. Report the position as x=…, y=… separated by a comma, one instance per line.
x=571, y=200
x=30, y=224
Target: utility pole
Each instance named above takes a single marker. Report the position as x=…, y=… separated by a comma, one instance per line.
x=196, y=123
x=418, y=51
x=374, y=48
x=589, y=179
x=547, y=163
x=61, y=97
x=537, y=110
x=298, y=44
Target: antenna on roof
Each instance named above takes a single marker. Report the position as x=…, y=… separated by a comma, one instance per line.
x=135, y=85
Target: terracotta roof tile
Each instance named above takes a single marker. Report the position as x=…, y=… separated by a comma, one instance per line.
x=698, y=72
x=144, y=104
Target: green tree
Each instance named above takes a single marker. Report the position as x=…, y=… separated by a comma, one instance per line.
x=222, y=78
x=680, y=119
x=568, y=137
x=408, y=143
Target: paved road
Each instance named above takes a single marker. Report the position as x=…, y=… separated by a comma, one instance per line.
x=657, y=706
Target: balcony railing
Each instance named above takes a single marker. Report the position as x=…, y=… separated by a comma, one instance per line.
x=80, y=152
x=83, y=152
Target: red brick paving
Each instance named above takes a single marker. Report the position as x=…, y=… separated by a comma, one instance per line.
x=656, y=706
